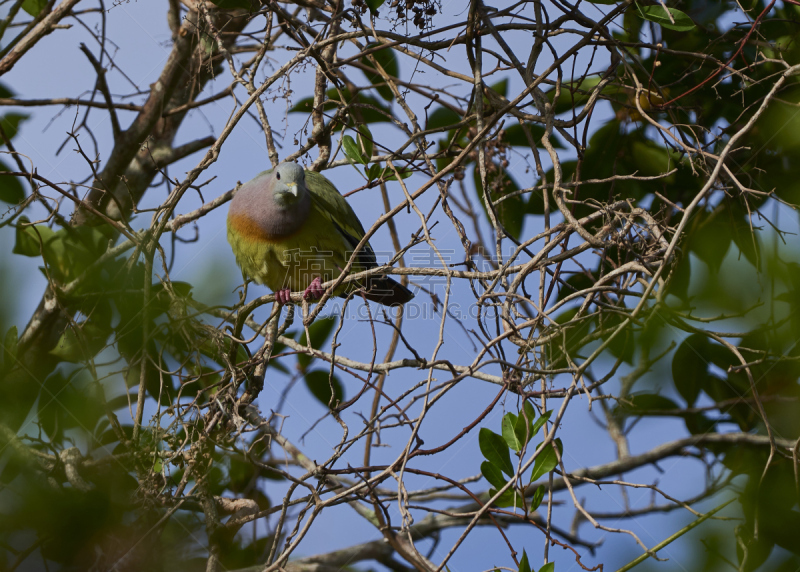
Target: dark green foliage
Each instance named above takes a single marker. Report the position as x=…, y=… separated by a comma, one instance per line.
x=374, y=5
x=365, y=108
x=517, y=431
x=510, y=211
x=538, y=497
x=319, y=333
x=387, y=60
x=690, y=367
x=10, y=348
x=546, y=460
x=495, y=450
x=674, y=20
x=515, y=135
x=34, y=7
x=11, y=190
x=327, y=389
x=442, y=117
x=523, y=563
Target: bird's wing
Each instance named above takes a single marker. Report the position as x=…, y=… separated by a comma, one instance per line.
x=333, y=206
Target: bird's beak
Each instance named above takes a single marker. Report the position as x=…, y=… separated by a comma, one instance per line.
x=293, y=189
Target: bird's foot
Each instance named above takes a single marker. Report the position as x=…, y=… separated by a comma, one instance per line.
x=314, y=290
x=283, y=296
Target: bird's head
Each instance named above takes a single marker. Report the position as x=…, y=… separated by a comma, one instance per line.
x=288, y=184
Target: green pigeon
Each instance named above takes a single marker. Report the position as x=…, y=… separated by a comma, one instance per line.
x=291, y=230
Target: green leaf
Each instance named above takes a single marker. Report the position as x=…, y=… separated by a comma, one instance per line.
x=500, y=87
x=324, y=388
x=631, y=26
x=320, y=331
x=511, y=211
x=690, y=367
x=10, y=347
x=711, y=240
x=240, y=474
x=81, y=247
x=680, y=279
x=538, y=496
x=509, y=498
x=744, y=238
x=30, y=240
x=572, y=94
x=5, y=92
x=365, y=141
x=493, y=475
x=373, y=5
x=352, y=150
x=34, y=7
x=441, y=118
x=575, y=283
x=374, y=171
x=651, y=159
x=495, y=450
x=546, y=461
x=515, y=135
x=10, y=123
x=541, y=421
x=67, y=402
x=523, y=428
x=699, y=424
x=405, y=173
x=68, y=252
x=370, y=109
x=81, y=343
x=549, y=567
x=621, y=346
x=535, y=204
x=14, y=465
x=388, y=61
x=509, y=432
x=682, y=22
x=523, y=563
x=11, y=190
x=181, y=289
x=306, y=105
x=644, y=403
x=49, y=410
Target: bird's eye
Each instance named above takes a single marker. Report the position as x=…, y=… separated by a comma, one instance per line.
x=278, y=176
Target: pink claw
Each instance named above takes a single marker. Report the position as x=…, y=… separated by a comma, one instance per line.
x=314, y=290
x=284, y=296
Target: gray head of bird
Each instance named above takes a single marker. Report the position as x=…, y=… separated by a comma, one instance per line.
x=276, y=202
x=289, y=185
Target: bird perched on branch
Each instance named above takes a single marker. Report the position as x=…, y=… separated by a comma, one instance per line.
x=290, y=229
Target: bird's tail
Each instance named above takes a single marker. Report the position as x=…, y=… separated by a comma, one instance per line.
x=388, y=292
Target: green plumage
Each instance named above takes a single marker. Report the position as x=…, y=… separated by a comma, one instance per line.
x=289, y=229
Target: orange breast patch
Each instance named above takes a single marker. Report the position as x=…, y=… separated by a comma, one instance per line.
x=248, y=228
